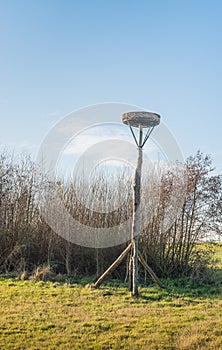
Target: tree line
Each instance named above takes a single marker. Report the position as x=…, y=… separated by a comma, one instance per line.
x=182, y=207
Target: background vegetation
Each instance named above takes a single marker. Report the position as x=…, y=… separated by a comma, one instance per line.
x=169, y=236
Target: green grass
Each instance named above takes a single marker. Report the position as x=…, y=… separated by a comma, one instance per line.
x=46, y=315
x=218, y=253
x=216, y=247
x=64, y=315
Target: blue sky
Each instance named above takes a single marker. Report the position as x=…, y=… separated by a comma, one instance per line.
x=165, y=56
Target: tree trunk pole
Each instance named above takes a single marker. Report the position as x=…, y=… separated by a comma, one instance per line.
x=136, y=215
x=130, y=269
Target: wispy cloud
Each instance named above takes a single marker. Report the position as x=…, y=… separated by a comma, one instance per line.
x=20, y=147
x=54, y=114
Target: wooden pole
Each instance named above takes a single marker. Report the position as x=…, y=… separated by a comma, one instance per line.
x=136, y=215
x=150, y=271
x=135, y=255
x=112, y=267
x=130, y=275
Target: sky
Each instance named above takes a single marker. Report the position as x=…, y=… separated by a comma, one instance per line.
x=163, y=55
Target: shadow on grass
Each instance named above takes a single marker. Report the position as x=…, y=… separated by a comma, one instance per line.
x=175, y=288
x=185, y=287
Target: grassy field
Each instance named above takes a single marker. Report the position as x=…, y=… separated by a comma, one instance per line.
x=64, y=315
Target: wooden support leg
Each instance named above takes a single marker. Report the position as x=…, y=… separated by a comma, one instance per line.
x=112, y=267
x=150, y=271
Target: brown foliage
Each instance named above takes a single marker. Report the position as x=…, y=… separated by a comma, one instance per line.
x=181, y=207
